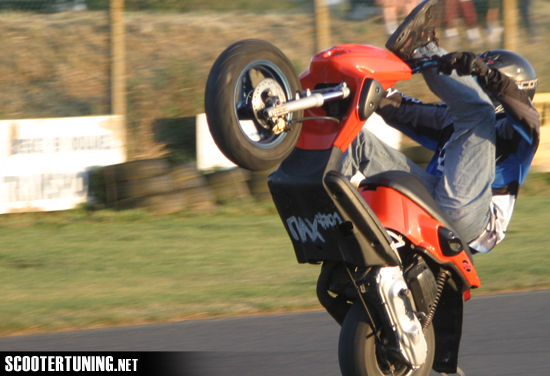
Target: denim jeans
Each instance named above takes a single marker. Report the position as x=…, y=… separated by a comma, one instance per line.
x=463, y=191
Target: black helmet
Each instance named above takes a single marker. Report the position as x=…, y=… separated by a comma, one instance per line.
x=514, y=66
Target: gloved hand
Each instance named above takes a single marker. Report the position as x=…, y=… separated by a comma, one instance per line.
x=465, y=63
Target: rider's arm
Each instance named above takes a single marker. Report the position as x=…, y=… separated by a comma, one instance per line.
x=517, y=105
x=424, y=123
x=524, y=118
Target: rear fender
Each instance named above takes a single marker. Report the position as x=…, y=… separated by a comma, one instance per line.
x=416, y=232
x=405, y=218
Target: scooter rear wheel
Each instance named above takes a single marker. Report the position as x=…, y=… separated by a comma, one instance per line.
x=245, y=77
x=360, y=354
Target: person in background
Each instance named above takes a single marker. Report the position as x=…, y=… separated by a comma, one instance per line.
x=526, y=20
x=452, y=10
x=494, y=28
x=393, y=10
x=362, y=9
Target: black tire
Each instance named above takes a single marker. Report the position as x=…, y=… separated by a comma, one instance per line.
x=258, y=185
x=145, y=186
x=165, y=203
x=186, y=176
x=199, y=198
x=184, y=171
x=357, y=348
x=228, y=177
x=231, y=83
x=230, y=184
x=139, y=169
x=196, y=182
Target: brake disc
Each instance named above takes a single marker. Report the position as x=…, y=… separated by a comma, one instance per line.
x=267, y=93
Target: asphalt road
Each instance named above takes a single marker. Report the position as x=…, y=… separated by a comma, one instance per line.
x=505, y=334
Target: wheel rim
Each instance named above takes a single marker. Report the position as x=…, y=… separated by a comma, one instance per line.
x=379, y=352
x=256, y=78
x=384, y=368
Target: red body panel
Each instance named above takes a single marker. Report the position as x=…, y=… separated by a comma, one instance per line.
x=352, y=64
x=402, y=215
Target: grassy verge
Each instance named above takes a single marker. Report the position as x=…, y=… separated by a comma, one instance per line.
x=76, y=269
x=521, y=260
x=80, y=270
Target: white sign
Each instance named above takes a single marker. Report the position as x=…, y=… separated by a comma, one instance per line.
x=44, y=163
x=209, y=156
x=383, y=131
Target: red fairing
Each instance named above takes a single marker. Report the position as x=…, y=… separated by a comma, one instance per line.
x=400, y=214
x=352, y=64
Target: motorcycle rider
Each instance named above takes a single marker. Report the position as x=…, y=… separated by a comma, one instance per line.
x=484, y=135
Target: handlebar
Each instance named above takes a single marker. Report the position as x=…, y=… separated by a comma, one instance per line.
x=420, y=65
x=317, y=98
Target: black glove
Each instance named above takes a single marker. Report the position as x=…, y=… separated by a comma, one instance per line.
x=465, y=63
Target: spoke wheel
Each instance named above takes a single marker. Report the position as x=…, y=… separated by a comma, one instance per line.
x=248, y=77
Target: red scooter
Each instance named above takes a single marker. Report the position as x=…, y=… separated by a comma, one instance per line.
x=394, y=273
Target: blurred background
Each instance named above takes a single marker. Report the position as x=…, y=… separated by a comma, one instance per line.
x=149, y=59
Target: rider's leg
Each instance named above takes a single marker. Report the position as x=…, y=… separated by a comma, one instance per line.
x=464, y=191
x=368, y=155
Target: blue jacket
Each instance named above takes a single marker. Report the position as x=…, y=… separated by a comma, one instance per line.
x=518, y=132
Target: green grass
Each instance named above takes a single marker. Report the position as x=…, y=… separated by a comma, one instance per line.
x=74, y=270
x=78, y=269
x=521, y=260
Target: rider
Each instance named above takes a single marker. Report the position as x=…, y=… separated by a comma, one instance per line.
x=484, y=136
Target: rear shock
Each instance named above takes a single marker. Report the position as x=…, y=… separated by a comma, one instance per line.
x=442, y=277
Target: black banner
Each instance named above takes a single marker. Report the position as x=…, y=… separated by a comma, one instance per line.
x=102, y=363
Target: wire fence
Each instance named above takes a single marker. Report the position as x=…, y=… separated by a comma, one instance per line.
x=56, y=54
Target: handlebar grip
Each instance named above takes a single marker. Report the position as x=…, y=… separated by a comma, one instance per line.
x=421, y=66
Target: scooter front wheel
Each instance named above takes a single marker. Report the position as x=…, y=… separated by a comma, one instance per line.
x=361, y=354
x=248, y=77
